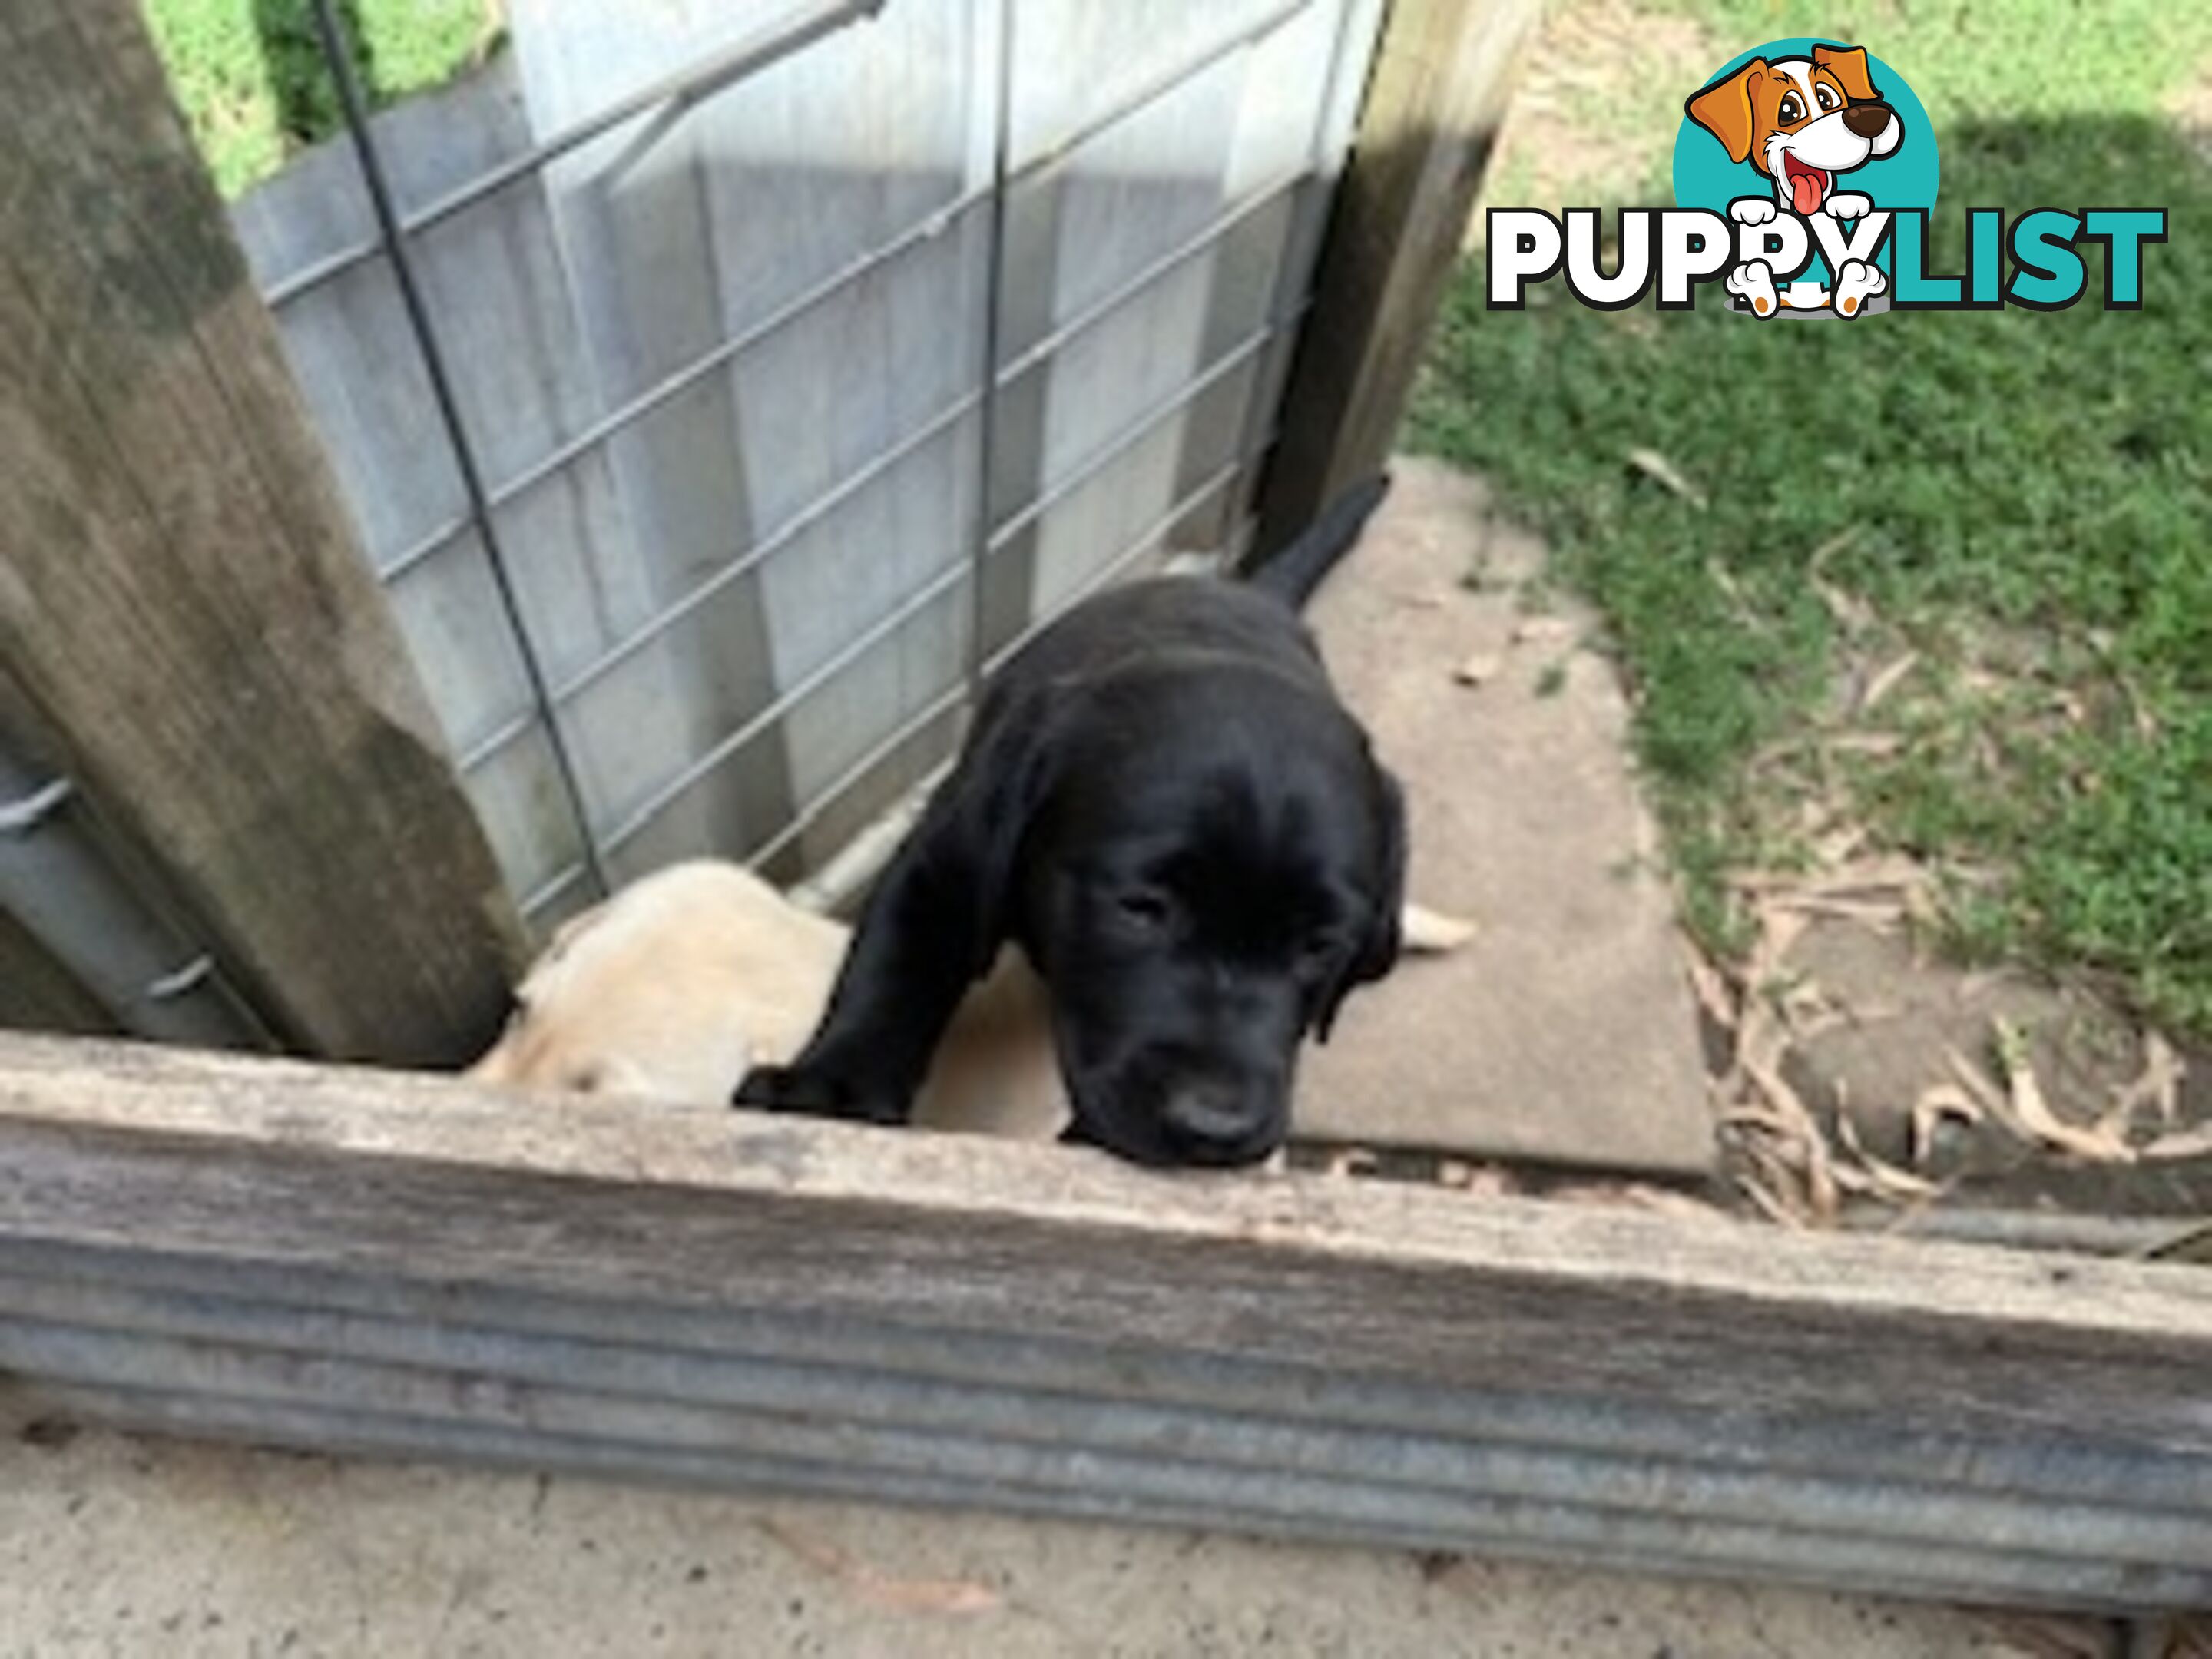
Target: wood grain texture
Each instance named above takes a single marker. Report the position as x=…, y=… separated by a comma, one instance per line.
x=1443, y=72
x=354, y=1259
x=179, y=594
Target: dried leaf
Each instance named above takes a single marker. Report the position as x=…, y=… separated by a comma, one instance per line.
x=1818, y=560
x=1890, y=1180
x=1779, y=928
x=1712, y=989
x=1747, y=1117
x=2193, y=1143
x=1660, y=470
x=1877, y=743
x=1987, y=1096
x=950, y=1596
x=1883, y=916
x=1833, y=849
x=1886, y=872
x=2158, y=1085
x=1769, y=1205
x=2034, y=1113
x=1480, y=669
x=1723, y=579
x=1855, y=1182
x=1760, y=1037
x=1888, y=681
x=1852, y=615
x=1542, y=630
x=1855, y=878
x=1805, y=1140
x=1874, y=1013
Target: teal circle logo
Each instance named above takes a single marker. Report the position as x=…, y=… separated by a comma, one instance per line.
x=1797, y=143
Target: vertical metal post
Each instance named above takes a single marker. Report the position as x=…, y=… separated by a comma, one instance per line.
x=338, y=52
x=986, y=417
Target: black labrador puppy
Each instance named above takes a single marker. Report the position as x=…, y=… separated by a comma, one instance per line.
x=1163, y=803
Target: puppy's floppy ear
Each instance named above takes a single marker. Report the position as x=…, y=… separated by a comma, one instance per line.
x=1378, y=949
x=1849, y=65
x=1723, y=109
x=984, y=811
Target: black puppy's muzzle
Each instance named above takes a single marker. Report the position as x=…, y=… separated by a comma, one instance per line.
x=1221, y=1120
x=1149, y=1147
x=1164, y=1107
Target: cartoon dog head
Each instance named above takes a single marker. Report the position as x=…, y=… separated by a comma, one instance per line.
x=1800, y=121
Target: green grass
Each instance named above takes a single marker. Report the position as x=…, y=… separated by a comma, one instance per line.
x=250, y=77
x=1985, y=59
x=2024, y=499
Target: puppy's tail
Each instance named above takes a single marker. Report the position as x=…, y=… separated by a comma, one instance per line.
x=1293, y=575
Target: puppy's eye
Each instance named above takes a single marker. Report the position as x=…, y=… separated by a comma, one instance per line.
x=1143, y=909
x=1792, y=109
x=1826, y=97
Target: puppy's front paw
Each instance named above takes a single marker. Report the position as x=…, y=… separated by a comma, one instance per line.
x=1751, y=210
x=1849, y=204
x=1855, y=284
x=810, y=1091
x=1754, y=282
x=784, y=1089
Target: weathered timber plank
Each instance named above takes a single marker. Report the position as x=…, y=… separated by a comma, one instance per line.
x=288, y=1163
x=180, y=598
x=275, y=1248
x=1442, y=73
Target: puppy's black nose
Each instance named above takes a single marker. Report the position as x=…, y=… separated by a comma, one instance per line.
x=1868, y=120
x=1207, y=1111
x=1216, y=1121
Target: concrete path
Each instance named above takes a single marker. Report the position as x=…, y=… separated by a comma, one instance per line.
x=111, y=1546
x=1564, y=1032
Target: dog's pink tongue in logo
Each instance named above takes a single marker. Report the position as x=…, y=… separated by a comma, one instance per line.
x=1807, y=186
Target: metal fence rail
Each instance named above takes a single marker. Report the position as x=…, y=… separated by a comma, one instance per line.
x=60, y=877
x=663, y=99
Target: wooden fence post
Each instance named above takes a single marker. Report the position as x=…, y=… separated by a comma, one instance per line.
x=1442, y=74
x=181, y=601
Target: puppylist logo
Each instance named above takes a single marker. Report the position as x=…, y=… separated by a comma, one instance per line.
x=1805, y=175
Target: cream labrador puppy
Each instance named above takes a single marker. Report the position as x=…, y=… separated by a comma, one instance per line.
x=672, y=988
